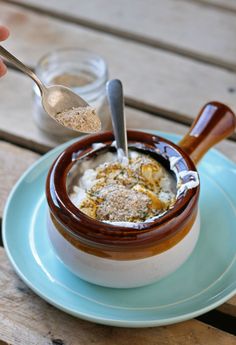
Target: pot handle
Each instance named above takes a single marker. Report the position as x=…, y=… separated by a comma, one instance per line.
x=215, y=122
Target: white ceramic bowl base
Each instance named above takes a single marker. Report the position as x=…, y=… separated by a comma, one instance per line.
x=123, y=273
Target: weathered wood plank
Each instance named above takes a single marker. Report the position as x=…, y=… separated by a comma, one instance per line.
x=14, y=161
x=35, y=322
x=27, y=318
x=17, y=125
x=229, y=5
x=15, y=333
x=16, y=114
x=153, y=80
x=3, y=343
x=185, y=27
x=229, y=307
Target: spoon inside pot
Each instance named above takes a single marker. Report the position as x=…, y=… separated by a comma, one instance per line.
x=116, y=102
x=63, y=105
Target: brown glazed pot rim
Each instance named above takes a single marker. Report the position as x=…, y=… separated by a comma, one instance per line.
x=90, y=230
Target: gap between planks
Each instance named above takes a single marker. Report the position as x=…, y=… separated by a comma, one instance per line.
x=218, y=319
x=221, y=5
x=118, y=32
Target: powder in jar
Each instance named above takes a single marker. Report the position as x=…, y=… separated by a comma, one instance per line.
x=73, y=80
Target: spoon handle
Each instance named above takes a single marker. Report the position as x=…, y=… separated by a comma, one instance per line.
x=116, y=102
x=7, y=55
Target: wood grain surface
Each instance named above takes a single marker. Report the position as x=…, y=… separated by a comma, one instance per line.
x=16, y=114
x=27, y=319
x=153, y=80
x=172, y=56
x=184, y=27
x=14, y=161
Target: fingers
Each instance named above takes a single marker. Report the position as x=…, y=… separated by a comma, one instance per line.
x=3, y=68
x=4, y=33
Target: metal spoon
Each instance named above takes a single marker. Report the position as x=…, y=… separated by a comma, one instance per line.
x=55, y=99
x=116, y=102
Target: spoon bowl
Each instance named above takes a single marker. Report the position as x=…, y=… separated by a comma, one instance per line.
x=57, y=98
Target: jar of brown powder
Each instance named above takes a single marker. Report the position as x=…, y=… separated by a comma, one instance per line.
x=83, y=72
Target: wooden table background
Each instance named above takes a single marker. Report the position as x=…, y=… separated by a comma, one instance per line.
x=172, y=56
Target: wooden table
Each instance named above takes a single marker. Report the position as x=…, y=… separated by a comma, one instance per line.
x=172, y=56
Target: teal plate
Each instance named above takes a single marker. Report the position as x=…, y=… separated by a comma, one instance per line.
x=205, y=281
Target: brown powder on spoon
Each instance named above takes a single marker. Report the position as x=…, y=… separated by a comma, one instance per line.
x=82, y=119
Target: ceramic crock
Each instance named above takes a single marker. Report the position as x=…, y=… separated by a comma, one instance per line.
x=141, y=253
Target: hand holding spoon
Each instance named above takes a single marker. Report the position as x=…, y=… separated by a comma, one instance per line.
x=116, y=102
x=62, y=104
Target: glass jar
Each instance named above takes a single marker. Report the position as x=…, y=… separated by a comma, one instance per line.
x=84, y=73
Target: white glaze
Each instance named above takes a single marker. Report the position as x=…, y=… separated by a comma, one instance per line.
x=126, y=273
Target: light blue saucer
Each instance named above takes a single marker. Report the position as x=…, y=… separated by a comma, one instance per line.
x=204, y=282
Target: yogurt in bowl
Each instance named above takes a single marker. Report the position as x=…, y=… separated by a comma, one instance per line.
x=153, y=224
x=123, y=191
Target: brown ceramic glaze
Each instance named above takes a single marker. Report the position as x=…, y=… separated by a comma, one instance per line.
x=133, y=252
x=142, y=239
